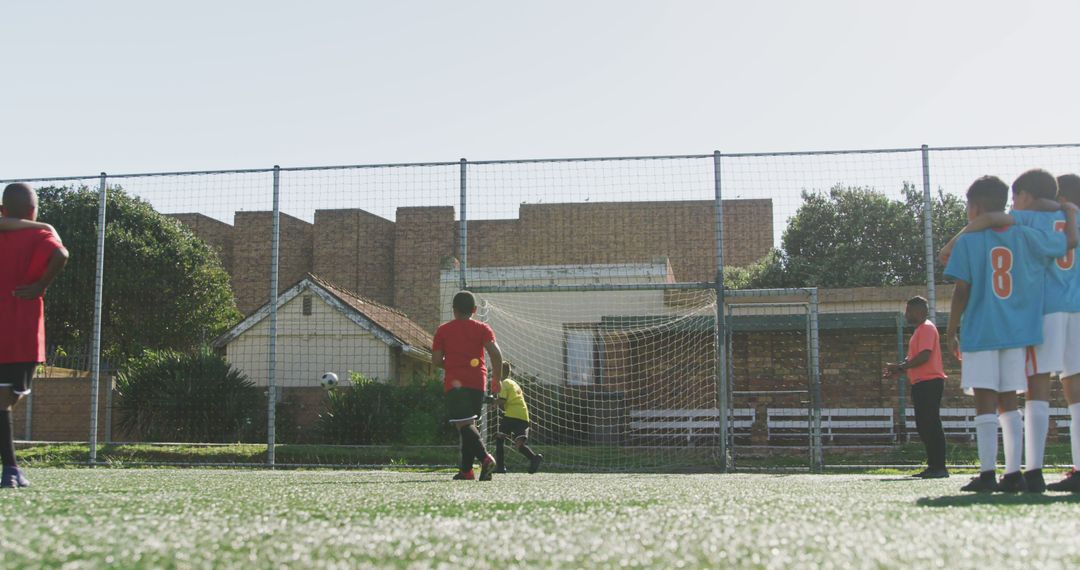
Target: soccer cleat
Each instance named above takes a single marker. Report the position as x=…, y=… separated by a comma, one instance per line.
x=487, y=466
x=1012, y=483
x=935, y=474
x=12, y=477
x=501, y=470
x=534, y=463
x=1069, y=484
x=465, y=476
x=1034, y=481
x=985, y=482
x=920, y=474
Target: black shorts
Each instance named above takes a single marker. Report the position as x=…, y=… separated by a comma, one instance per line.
x=16, y=376
x=514, y=428
x=464, y=404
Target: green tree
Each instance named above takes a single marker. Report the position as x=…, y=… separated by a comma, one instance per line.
x=164, y=288
x=856, y=237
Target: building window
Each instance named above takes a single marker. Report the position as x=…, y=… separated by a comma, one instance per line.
x=307, y=305
x=583, y=357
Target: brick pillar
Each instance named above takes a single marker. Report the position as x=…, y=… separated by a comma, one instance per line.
x=424, y=237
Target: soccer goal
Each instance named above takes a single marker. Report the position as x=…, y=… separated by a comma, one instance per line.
x=772, y=379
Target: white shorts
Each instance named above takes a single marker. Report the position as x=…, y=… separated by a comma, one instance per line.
x=997, y=370
x=1049, y=357
x=1071, y=345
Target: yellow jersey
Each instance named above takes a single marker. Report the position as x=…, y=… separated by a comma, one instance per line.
x=515, y=400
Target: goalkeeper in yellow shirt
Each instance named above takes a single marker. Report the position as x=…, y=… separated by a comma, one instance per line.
x=513, y=424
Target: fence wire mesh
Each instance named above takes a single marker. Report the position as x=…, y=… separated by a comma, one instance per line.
x=597, y=275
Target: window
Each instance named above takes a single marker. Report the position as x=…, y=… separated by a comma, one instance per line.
x=583, y=357
x=307, y=305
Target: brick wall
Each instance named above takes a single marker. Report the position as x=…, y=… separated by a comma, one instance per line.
x=60, y=407
x=217, y=235
x=423, y=239
x=622, y=232
x=253, y=236
x=355, y=249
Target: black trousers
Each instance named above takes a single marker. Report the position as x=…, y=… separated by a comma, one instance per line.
x=926, y=397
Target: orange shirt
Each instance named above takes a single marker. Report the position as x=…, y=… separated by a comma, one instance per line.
x=925, y=337
x=462, y=342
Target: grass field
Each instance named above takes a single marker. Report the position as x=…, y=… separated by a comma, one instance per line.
x=243, y=518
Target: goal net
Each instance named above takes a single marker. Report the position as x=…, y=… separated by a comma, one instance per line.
x=614, y=379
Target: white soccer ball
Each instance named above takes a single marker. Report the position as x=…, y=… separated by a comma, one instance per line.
x=329, y=380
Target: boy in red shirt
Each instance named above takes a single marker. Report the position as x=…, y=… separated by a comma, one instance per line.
x=927, y=377
x=29, y=261
x=458, y=349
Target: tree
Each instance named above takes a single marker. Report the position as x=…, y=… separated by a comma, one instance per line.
x=163, y=287
x=856, y=237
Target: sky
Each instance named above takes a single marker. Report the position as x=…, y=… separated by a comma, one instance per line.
x=135, y=86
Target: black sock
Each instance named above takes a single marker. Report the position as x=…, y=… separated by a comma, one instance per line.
x=500, y=453
x=7, y=441
x=528, y=453
x=466, y=451
x=471, y=433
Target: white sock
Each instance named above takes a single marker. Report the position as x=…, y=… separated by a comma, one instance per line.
x=1036, y=426
x=1012, y=437
x=1074, y=433
x=986, y=427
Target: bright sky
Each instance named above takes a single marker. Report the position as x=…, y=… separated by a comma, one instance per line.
x=135, y=86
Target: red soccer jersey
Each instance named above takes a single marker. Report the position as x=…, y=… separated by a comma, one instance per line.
x=24, y=255
x=462, y=342
x=925, y=338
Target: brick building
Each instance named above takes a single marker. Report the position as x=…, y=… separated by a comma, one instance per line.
x=399, y=262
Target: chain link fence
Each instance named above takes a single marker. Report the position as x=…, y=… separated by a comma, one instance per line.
x=217, y=308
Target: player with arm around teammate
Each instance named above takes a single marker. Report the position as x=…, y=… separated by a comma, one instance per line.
x=996, y=314
x=1035, y=205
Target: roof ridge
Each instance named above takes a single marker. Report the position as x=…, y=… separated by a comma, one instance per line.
x=331, y=285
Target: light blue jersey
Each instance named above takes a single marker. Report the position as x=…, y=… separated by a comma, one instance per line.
x=1062, y=276
x=1006, y=269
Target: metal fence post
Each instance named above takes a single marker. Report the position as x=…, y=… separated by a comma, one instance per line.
x=817, y=455
x=95, y=335
x=901, y=381
x=928, y=234
x=271, y=404
x=463, y=229
x=722, y=380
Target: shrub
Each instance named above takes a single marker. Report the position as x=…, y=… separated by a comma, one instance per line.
x=198, y=397
x=368, y=412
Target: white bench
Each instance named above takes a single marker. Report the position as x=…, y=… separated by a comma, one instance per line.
x=688, y=425
x=961, y=421
x=835, y=423
x=1061, y=419
x=954, y=421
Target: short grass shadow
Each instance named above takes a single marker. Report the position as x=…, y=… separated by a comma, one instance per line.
x=973, y=499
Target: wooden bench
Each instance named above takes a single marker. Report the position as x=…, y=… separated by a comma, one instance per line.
x=687, y=425
x=870, y=423
x=957, y=422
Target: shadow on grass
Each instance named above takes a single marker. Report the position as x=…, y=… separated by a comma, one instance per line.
x=973, y=499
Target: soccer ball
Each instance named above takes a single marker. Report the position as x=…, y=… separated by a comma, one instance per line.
x=329, y=380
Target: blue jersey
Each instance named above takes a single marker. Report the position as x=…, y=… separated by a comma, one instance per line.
x=1006, y=269
x=1062, y=276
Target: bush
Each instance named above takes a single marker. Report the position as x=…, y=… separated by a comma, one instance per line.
x=199, y=397
x=369, y=412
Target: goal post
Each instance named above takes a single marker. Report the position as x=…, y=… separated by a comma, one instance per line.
x=627, y=376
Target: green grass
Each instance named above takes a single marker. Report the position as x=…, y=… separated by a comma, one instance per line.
x=558, y=457
x=243, y=518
